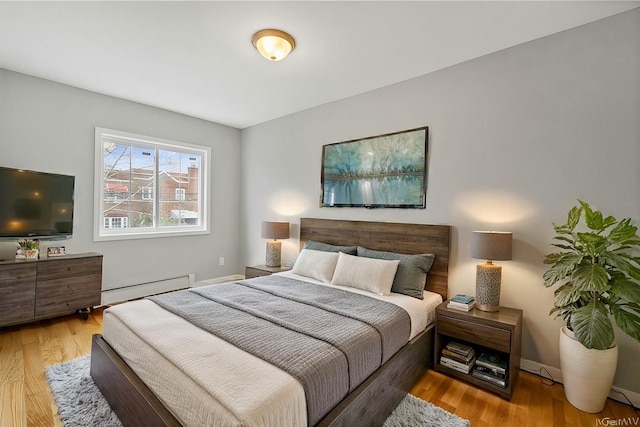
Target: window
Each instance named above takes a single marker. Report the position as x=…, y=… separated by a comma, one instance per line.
x=147, y=193
x=149, y=187
x=116, y=222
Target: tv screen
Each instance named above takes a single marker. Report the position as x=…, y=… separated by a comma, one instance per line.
x=35, y=204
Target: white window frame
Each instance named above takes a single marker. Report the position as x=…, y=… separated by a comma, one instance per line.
x=102, y=234
x=180, y=194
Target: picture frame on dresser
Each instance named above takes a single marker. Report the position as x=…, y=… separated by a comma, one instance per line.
x=56, y=251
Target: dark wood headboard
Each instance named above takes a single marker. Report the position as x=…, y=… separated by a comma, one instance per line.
x=388, y=236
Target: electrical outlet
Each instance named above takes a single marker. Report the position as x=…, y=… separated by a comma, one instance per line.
x=221, y=260
x=288, y=264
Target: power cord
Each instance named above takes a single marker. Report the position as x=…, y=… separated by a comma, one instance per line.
x=543, y=379
x=627, y=399
x=547, y=379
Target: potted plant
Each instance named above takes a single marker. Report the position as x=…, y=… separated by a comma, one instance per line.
x=598, y=273
x=28, y=249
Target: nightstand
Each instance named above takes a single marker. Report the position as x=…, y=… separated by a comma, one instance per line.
x=500, y=332
x=262, y=270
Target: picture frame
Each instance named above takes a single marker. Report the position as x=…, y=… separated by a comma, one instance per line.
x=383, y=171
x=56, y=251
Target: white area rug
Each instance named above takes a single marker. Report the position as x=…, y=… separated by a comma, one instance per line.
x=81, y=404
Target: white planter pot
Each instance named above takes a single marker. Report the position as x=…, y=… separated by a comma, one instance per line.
x=587, y=373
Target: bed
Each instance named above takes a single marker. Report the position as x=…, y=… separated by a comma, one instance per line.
x=367, y=404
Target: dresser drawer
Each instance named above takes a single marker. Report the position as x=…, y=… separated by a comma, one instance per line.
x=69, y=285
x=66, y=304
x=18, y=273
x=60, y=268
x=484, y=335
x=17, y=312
x=17, y=293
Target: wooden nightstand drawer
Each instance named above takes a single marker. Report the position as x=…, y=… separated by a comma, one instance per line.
x=250, y=272
x=262, y=270
x=487, y=336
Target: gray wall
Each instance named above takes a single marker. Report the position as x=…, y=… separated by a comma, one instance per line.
x=48, y=126
x=515, y=138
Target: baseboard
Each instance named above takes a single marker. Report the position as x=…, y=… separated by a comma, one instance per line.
x=555, y=373
x=218, y=280
x=130, y=292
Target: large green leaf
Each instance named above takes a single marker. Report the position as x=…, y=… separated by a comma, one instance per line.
x=562, y=268
x=565, y=295
x=622, y=263
x=627, y=321
x=627, y=290
x=590, y=277
x=591, y=217
x=574, y=217
x=592, y=326
x=623, y=231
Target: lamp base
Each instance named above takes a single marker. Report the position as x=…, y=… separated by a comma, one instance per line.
x=273, y=254
x=488, y=278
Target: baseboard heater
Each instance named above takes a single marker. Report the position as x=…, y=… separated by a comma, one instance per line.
x=141, y=290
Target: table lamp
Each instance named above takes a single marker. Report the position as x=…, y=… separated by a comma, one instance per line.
x=491, y=246
x=274, y=230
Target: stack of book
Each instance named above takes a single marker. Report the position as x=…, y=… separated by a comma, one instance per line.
x=492, y=368
x=462, y=302
x=457, y=356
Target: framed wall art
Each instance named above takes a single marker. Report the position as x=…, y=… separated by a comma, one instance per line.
x=385, y=171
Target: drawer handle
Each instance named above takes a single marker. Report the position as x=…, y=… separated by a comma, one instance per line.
x=69, y=269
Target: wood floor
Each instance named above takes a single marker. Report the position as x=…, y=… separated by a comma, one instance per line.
x=25, y=398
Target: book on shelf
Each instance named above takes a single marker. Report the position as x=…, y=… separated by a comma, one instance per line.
x=460, y=306
x=457, y=356
x=489, y=375
x=465, y=368
x=492, y=361
x=460, y=348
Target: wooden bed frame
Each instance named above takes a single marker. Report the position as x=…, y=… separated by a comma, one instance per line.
x=371, y=402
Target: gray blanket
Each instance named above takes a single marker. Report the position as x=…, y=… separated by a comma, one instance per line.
x=328, y=339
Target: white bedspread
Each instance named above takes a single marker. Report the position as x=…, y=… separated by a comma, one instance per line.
x=203, y=379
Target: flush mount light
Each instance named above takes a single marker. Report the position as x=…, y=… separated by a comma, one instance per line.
x=273, y=44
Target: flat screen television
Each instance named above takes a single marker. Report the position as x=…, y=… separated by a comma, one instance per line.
x=35, y=205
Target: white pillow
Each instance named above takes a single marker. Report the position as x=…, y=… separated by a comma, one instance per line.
x=318, y=265
x=369, y=274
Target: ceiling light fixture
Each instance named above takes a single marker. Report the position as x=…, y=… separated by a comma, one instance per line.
x=273, y=44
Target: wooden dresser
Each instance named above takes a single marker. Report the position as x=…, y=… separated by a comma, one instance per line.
x=56, y=286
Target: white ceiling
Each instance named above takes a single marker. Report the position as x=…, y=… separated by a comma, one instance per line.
x=196, y=58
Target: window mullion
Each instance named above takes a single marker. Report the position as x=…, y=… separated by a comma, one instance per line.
x=156, y=187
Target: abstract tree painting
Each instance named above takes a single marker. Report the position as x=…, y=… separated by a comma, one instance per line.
x=380, y=171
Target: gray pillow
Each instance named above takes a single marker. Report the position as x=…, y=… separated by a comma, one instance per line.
x=411, y=276
x=326, y=247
